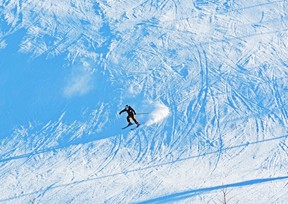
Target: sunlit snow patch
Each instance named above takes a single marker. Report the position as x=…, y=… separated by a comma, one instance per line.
x=3, y=44
x=134, y=89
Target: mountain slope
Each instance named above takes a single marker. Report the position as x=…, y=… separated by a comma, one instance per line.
x=207, y=79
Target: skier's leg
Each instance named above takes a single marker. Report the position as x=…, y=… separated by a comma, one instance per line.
x=134, y=119
x=128, y=119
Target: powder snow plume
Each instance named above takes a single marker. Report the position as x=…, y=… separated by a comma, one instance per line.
x=158, y=113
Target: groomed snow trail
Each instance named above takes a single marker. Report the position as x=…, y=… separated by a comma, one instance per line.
x=207, y=79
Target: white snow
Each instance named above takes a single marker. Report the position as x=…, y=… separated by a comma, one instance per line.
x=208, y=80
x=80, y=82
x=158, y=112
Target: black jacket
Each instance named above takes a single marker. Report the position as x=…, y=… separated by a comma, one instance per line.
x=130, y=111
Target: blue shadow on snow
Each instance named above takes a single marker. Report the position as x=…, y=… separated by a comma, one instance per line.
x=190, y=193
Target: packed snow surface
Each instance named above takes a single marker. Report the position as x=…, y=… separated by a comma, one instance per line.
x=208, y=81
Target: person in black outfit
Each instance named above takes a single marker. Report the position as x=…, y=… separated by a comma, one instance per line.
x=131, y=114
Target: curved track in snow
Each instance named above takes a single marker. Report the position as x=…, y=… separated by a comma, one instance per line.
x=207, y=79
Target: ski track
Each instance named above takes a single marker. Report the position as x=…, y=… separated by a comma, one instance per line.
x=221, y=69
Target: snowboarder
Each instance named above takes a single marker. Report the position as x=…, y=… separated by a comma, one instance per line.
x=131, y=114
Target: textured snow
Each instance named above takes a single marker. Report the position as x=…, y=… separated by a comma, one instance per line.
x=208, y=80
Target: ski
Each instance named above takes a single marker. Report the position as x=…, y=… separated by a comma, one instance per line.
x=135, y=127
x=127, y=126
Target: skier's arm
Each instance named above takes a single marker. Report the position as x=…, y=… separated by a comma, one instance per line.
x=121, y=111
x=133, y=111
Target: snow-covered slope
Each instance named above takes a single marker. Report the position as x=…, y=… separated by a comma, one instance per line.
x=208, y=79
